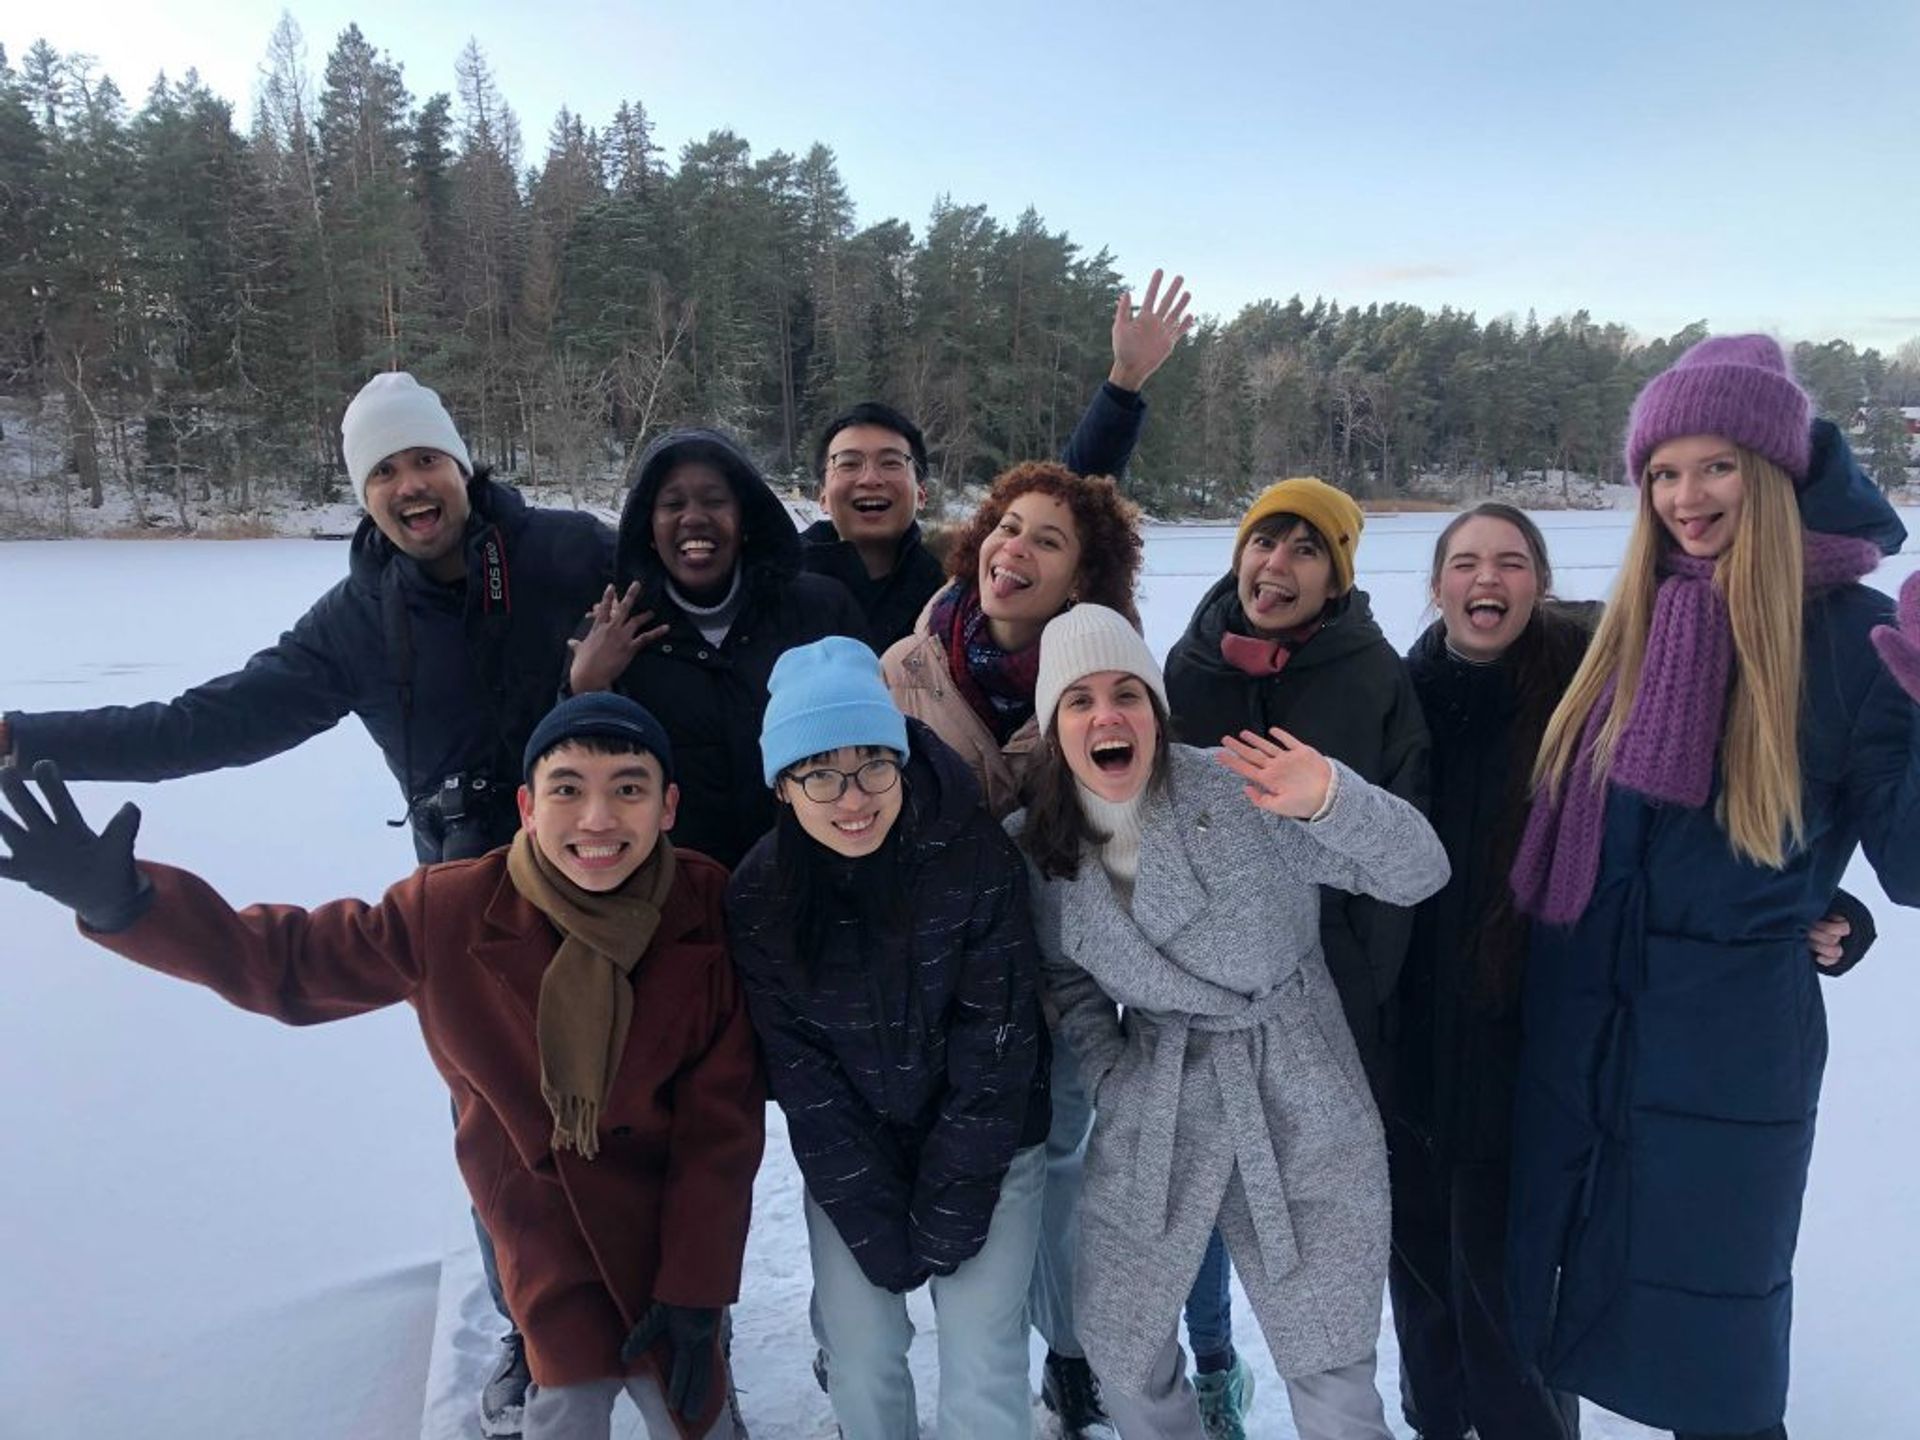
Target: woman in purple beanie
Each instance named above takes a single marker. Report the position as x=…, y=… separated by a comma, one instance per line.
x=1744, y=720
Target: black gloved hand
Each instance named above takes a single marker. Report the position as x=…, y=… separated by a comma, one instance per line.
x=92, y=875
x=691, y=1332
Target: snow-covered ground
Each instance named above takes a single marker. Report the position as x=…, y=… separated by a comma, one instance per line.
x=215, y=1227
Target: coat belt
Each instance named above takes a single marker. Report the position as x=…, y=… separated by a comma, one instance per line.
x=1247, y=1131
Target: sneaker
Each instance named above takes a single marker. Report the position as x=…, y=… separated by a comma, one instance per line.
x=1225, y=1398
x=1069, y=1390
x=503, y=1399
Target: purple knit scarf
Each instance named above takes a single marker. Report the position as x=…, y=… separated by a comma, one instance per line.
x=1666, y=752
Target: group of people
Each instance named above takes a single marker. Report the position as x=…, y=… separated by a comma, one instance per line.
x=1487, y=976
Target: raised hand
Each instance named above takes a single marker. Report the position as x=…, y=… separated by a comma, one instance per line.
x=1284, y=776
x=1144, y=338
x=617, y=635
x=52, y=850
x=1900, y=647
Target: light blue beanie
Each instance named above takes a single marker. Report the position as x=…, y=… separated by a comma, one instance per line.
x=823, y=696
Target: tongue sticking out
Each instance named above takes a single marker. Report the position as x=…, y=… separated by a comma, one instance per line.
x=1486, y=618
x=1265, y=602
x=1003, y=585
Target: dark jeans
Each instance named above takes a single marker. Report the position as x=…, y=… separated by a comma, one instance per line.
x=1458, y=1367
x=1210, y=1303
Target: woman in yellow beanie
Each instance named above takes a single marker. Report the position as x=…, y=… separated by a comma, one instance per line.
x=1284, y=638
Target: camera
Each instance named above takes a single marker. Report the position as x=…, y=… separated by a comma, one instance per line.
x=467, y=815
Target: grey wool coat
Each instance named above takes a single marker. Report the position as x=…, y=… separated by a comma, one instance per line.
x=1225, y=1081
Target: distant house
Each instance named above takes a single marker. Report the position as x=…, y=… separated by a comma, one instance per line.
x=1909, y=413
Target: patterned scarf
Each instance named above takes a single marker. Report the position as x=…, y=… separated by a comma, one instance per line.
x=1672, y=735
x=586, y=994
x=998, y=684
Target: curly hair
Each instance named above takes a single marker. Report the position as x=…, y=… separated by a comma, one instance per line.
x=1106, y=522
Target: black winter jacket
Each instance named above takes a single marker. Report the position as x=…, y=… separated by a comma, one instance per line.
x=1346, y=693
x=1101, y=444
x=1459, y=1023
x=711, y=698
x=910, y=1058
x=448, y=679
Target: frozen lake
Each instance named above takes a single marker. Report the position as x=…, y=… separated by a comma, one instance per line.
x=219, y=1227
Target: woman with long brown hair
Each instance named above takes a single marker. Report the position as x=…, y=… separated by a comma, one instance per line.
x=1727, y=743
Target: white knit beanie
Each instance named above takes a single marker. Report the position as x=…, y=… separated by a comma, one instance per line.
x=395, y=412
x=1084, y=641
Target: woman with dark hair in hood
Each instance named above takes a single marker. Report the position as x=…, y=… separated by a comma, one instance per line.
x=708, y=566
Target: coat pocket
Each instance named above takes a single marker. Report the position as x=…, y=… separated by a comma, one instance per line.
x=1715, y=1207
x=1729, y=1032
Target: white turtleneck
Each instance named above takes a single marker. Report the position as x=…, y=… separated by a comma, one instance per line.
x=712, y=621
x=1120, y=822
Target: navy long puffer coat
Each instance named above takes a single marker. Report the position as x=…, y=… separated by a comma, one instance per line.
x=1674, y=1040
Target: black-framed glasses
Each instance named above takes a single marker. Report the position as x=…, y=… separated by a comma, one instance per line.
x=892, y=464
x=825, y=785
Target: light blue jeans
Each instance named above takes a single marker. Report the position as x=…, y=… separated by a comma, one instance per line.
x=982, y=1334
x=1050, y=1298
x=585, y=1411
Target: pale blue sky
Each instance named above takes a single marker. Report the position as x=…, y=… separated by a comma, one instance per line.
x=1750, y=164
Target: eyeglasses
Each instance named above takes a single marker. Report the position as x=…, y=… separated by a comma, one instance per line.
x=889, y=464
x=826, y=785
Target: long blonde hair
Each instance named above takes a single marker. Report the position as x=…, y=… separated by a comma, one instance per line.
x=1762, y=576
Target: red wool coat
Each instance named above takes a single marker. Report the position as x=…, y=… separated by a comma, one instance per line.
x=584, y=1245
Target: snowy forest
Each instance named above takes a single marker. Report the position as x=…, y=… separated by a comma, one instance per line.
x=189, y=296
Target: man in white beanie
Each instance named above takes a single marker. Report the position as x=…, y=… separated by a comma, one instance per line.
x=448, y=638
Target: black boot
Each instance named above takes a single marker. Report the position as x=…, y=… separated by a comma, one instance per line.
x=1069, y=1390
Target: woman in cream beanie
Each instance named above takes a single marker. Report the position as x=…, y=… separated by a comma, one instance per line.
x=1185, y=886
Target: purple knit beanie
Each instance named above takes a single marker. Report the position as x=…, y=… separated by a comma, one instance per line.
x=1738, y=386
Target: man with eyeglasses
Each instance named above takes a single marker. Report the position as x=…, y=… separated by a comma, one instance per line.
x=872, y=464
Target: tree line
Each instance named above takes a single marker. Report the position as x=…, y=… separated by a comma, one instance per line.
x=202, y=299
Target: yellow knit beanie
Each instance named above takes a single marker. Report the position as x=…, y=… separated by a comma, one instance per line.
x=1332, y=512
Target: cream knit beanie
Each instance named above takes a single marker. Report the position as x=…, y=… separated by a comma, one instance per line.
x=1084, y=641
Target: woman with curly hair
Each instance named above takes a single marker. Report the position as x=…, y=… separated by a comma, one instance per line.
x=1042, y=541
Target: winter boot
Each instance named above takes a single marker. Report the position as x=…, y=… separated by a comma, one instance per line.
x=1225, y=1398
x=1069, y=1389
x=503, y=1400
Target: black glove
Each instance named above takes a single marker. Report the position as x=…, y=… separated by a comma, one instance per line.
x=92, y=875
x=691, y=1332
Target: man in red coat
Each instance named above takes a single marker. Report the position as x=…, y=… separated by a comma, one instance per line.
x=575, y=992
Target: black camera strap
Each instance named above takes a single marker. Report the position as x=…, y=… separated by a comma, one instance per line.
x=399, y=637
x=494, y=595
